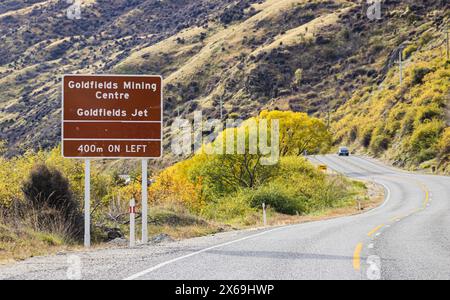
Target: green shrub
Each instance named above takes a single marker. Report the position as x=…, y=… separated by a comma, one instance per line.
x=408, y=123
x=50, y=202
x=427, y=114
x=426, y=155
x=296, y=188
x=444, y=145
x=353, y=134
x=336, y=191
x=426, y=136
x=279, y=197
x=425, y=39
x=419, y=74
x=233, y=207
x=379, y=143
x=366, y=137
x=409, y=51
x=225, y=174
x=293, y=166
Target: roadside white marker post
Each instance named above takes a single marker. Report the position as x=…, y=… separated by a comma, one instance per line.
x=144, y=201
x=264, y=214
x=87, y=204
x=132, y=223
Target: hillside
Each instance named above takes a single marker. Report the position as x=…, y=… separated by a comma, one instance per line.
x=407, y=124
x=295, y=55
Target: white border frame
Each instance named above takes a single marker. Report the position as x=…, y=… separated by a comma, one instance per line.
x=110, y=157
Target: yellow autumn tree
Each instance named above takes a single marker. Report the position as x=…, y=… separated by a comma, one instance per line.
x=175, y=186
x=13, y=172
x=215, y=171
x=300, y=133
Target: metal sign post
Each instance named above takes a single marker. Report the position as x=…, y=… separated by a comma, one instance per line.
x=144, y=201
x=87, y=203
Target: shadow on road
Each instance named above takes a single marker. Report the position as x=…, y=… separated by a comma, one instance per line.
x=280, y=255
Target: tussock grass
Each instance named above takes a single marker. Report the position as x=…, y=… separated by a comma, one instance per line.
x=177, y=222
x=230, y=38
x=19, y=242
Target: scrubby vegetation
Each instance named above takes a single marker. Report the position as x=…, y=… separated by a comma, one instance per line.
x=41, y=193
x=18, y=242
x=233, y=187
x=407, y=124
x=39, y=210
x=47, y=194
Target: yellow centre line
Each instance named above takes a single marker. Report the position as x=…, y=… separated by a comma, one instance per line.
x=357, y=257
x=375, y=230
x=359, y=247
x=427, y=196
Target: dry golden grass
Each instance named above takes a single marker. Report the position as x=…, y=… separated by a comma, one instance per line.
x=231, y=37
x=186, y=232
x=376, y=196
x=21, y=243
x=42, y=4
x=27, y=9
x=307, y=31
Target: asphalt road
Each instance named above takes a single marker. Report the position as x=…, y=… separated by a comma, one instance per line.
x=408, y=237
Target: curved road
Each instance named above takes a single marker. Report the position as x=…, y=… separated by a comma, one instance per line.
x=408, y=237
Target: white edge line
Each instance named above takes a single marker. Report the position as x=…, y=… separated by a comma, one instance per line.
x=388, y=196
x=154, y=268
x=145, y=272
x=387, y=189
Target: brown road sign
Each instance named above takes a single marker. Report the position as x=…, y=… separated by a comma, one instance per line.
x=112, y=116
x=112, y=130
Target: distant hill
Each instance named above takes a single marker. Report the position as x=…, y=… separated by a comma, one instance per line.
x=299, y=55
